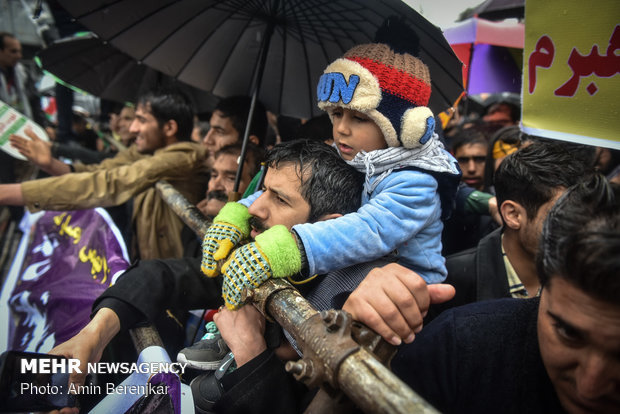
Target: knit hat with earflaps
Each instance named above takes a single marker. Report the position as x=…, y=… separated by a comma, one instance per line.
x=391, y=88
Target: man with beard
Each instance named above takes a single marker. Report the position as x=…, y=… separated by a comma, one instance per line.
x=305, y=181
x=223, y=172
x=221, y=184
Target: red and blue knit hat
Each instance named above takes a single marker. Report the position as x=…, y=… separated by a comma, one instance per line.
x=393, y=89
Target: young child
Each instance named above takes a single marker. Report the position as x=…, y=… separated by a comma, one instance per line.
x=377, y=100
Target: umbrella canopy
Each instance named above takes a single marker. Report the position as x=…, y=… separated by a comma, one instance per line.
x=492, y=52
x=216, y=45
x=94, y=66
x=500, y=9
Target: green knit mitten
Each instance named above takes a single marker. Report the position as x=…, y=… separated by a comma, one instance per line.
x=273, y=254
x=229, y=227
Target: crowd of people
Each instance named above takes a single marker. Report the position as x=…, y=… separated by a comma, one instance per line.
x=489, y=258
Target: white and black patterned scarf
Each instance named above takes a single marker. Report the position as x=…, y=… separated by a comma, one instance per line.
x=430, y=157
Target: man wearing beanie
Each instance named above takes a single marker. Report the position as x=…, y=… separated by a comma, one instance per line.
x=377, y=100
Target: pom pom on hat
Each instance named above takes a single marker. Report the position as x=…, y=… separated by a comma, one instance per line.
x=393, y=89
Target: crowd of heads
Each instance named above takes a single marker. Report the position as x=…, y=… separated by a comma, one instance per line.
x=555, y=183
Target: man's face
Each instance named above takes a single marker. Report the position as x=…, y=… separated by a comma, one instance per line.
x=281, y=201
x=220, y=134
x=125, y=119
x=471, y=158
x=222, y=182
x=579, y=339
x=149, y=136
x=12, y=52
x=529, y=233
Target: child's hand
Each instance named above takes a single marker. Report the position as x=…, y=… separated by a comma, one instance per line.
x=229, y=227
x=273, y=254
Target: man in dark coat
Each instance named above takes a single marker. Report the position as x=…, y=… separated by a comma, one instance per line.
x=527, y=183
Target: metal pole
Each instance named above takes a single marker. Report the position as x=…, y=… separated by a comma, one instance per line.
x=367, y=382
x=255, y=88
x=186, y=211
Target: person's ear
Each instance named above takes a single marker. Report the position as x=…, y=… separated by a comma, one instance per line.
x=171, y=128
x=254, y=140
x=513, y=213
x=325, y=217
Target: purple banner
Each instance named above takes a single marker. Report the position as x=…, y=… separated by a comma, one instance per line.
x=73, y=256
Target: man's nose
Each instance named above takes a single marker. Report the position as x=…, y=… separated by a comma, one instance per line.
x=471, y=166
x=596, y=377
x=259, y=207
x=208, y=138
x=134, y=128
x=216, y=183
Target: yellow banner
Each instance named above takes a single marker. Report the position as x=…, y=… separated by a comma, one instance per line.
x=571, y=87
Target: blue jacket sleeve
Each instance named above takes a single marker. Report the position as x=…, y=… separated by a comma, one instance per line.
x=250, y=199
x=402, y=205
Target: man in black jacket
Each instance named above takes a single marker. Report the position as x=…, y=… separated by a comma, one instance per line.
x=527, y=183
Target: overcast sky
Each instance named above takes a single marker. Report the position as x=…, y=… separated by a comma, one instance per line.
x=442, y=13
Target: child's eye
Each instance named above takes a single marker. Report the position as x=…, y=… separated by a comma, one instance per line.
x=337, y=113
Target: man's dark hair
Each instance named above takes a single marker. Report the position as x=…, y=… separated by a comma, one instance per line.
x=468, y=136
x=254, y=155
x=165, y=105
x=328, y=183
x=2, y=36
x=532, y=175
x=581, y=239
x=318, y=128
x=237, y=109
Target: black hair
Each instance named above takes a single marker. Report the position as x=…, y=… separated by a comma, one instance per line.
x=237, y=109
x=254, y=155
x=2, y=36
x=533, y=174
x=468, y=136
x=318, y=128
x=581, y=239
x=328, y=183
x=166, y=105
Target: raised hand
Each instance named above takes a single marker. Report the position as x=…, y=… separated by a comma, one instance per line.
x=37, y=151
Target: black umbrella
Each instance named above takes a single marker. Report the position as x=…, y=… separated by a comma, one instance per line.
x=224, y=46
x=499, y=9
x=94, y=66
